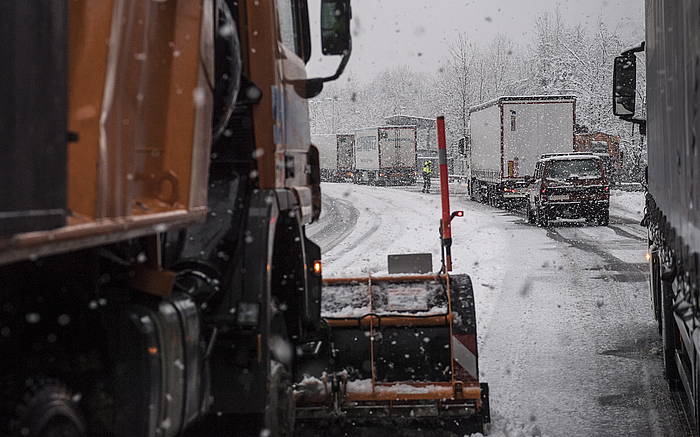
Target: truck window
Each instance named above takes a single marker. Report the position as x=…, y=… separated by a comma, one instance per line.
x=287, y=12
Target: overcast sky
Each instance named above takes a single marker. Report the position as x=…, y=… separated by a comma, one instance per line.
x=416, y=32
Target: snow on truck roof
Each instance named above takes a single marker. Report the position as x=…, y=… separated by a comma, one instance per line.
x=403, y=120
x=541, y=98
x=402, y=126
x=567, y=156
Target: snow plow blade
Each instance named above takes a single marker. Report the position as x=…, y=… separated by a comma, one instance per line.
x=397, y=348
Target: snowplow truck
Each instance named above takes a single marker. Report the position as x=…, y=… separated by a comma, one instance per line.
x=399, y=349
x=156, y=178
x=671, y=216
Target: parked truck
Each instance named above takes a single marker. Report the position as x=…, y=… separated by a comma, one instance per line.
x=671, y=216
x=328, y=155
x=508, y=136
x=386, y=155
x=337, y=156
x=156, y=178
x=345, y=149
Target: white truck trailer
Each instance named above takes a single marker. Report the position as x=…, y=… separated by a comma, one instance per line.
x=328, y=155
x=508, y=136
x=386, y=155
x=346, y=157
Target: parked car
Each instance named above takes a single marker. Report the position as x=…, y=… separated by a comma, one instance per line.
x=569, y=185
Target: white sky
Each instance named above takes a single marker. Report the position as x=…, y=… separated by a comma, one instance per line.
x=388, y=33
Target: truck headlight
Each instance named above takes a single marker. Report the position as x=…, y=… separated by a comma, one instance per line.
x=248, y=313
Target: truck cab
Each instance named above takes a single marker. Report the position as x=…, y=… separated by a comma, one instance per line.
x=571, y=186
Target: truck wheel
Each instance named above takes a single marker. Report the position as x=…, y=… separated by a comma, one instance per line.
x=604, y=217
x=48, y=409
x=530, y=215
x=668, y=328
x=542, y=219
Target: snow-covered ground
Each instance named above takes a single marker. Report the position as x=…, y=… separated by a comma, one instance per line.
x=567, y=341
x=627, y=204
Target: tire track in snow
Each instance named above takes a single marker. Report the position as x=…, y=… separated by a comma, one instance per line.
x=338, y=222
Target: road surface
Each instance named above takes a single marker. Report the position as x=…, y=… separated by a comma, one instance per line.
x=567, y=339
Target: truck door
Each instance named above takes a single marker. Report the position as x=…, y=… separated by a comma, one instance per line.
x=406, y=147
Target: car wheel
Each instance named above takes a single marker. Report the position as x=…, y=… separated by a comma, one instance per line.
x=530, y=215
x=542, y=219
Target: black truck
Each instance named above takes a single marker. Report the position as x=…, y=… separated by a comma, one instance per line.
x=672, y=216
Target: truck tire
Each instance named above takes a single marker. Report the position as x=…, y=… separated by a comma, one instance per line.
x=668, y=336
x=49, y=409
x=541, y=217
x=604, y=217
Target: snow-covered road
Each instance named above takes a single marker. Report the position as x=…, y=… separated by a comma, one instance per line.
x=567, y=340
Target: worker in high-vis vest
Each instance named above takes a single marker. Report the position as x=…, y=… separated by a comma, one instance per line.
x=427, y=173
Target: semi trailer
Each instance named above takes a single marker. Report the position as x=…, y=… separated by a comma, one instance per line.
x=345, y=149
x=385, y=155
x=508, y=136
x=156, y=179
x=672, y=218
x=337, y=156
x=328, y=158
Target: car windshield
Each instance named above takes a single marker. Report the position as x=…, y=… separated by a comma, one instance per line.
x=573, y=168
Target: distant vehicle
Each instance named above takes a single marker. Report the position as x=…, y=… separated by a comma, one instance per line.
x=569, y=185
x=328, y=156
x=345, y=147
x=426, y=137
x=508, y=136
x=386, y=155
x=336, y=156
x=606, y=146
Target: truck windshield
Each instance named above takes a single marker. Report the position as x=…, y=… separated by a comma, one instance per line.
x=573, y=168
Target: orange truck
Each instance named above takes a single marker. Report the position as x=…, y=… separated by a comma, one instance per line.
x=156, y=179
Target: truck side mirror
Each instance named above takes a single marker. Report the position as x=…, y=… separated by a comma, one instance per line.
x=624, y=85
x=335, y=27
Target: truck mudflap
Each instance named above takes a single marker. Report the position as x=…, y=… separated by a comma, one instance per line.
x=398, y=348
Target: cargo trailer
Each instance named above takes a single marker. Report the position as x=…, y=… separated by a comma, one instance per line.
x=345, y=147
x=328, y=157
x=508, y=136
x=386, y=155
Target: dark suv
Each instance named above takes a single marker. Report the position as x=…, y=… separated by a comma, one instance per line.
x=569, y=185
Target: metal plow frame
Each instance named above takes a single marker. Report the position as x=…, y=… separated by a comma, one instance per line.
x=462, y=397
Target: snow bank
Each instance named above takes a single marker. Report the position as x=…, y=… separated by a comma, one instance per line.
x=627, y=204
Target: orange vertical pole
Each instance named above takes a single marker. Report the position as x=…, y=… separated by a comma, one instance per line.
x=446, y=227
